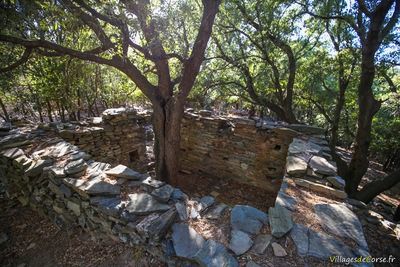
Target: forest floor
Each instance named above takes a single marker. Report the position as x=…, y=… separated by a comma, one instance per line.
x=28, y=239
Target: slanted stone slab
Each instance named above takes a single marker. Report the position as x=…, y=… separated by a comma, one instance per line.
x=340, y=220
x=163, y=193
x=279, y=251
x=13, y=153
x=323, y=246
x=280, y=220
x=321, y=165
x=155, y=226
x=248, y=219
x=321, y=188
x=299, y=236
x=143, y=203
x=75, y=166
x=109, y=205
x=182, y=211
x=285, y=200
x=240, y=242
x=153, y=183
x=261, y=243
x=214, y=254
x=37, y=166
x=296, y=166
x=121, y=171
x=297, y=146
x=336, y=181
x=205, y=202
x=97, y=186
x=187, y=242
x=216, y=212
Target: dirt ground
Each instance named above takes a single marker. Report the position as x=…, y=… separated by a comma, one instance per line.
x=34, y=241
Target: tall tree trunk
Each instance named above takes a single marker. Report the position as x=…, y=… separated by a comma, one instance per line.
x=336, y=117
x=49, y=110
x=3, y=108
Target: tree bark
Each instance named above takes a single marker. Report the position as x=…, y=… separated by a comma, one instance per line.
x=49, y=110
x=4, y=109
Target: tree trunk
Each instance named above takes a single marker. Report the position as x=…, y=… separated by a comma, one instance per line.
x=166, y=126
x=49, y=110
x=3, y=108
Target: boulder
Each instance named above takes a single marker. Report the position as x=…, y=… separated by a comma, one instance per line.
x=240, y=242
x=321, y=165
x=296, y=166
x=163, y=193
x=336, y=181
x=280, y=220
x=248, y=219
x=187, y=242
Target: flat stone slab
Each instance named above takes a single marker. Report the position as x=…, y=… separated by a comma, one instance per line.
x=182, y=211
x=205, y=202
x=109, y=205
x=216, y=212
x=323, y=246
x=285, y=200
x=121, y=171
x=299, y=235
x=240, y=242
x=261, y=243
x=98, y=186
x=214, y=254
x=187, y=242
x=340, y=220
x=248, y=219
x=296, y=166
x=336, y=181
x=321, y=165
x=13, y=153
x=163, y=193
x=143, y=203
x=75, y=166
x=155, y=226
x=278, y=250
x=152, y=182
x=280, y=220
x=321, y=188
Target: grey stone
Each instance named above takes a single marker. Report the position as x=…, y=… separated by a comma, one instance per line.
x=356, y=203
x=205, y=113
x=340, y=220
x=155, y=226
x=321, y=165
x=121, y=171
x=321, y=188
x=323, y=246
x=194, y=214
x=296, y=166
x=216, y=212
x=214, y=254
x=65, y=190
x=187, y=242
x=57, y=172
x=75, y=166
x=182, y=211
x=143, y=203
x=308, y=129
x=280, y=220
x=97, y=186
x=252, y=264
x=37, y=167
x=285, y=200
x=261, y=243
x=13, y=153
x=163, y=193
x=109, y=205
x=152, y=182
x=74, y=207
x=336, y=181
x=240, y=242
x=178, y=195
x=248, y=219
x=299, y=236
x=297, y=146
x=206, y=202
x=279, y=251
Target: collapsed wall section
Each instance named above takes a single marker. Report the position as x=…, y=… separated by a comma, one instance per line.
x=235, y=148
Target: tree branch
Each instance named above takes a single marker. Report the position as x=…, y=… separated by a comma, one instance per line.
x=24, y=58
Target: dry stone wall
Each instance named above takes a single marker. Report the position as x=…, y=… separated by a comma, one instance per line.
x=235, y=148
x=117, y=137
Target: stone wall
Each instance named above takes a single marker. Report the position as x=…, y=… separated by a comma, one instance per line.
x=235, y=148
x=116, y=137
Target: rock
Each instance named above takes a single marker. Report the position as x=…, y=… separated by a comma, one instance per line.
x=109, y=205
x=307, y=129
x=240, y=242
x=155, y=226
x=97, y=186
x=296, y=166
x=153, y=183
x=261, y=243
x=280, y=220
x=37, y=166
x=252, y=264
x=321, y=188
x=205, y=202
x=356, y=203
x=121, y=171
x=74, y=207
x=182, y=211
x=3, y=238
x=323, y=246
x=340, y=220
x=214, y=254
x=214, y=194
x=65, y=190
x=299, y=236
x=248, y=219
x=178, y=195
x=336, y=181
x=205, y=113
x=194, y=214
x=187, y=242
x=297, y=146
x=321, y=165
x=143, y=203
x=13, y=153
x=163, y=193
x=75, y=166
x=279, y=251
x=216, y=212
x=285, y=200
